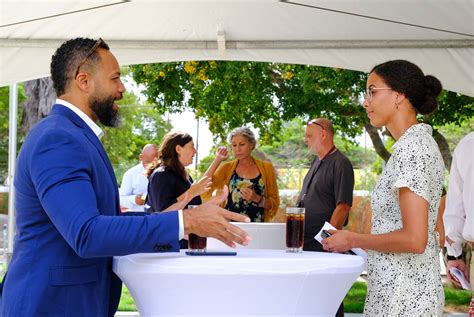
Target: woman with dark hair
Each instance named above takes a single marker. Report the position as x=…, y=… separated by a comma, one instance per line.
x=169, y=183
x=403, y=269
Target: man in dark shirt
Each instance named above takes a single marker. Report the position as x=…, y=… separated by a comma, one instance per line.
x=328, y=185
x=327, y=188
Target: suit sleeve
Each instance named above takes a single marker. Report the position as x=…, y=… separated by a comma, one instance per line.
x=63, y=181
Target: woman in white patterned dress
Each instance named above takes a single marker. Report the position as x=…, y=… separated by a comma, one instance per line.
x=403, y=266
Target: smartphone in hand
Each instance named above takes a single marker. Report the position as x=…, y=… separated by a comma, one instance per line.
x=326, y=234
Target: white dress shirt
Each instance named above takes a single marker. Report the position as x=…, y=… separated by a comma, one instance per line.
x=459, y=213
x=94, y=127
x=99, y=133
x=134, y=182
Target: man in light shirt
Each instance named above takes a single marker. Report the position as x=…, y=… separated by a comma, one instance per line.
x=459, y=213
x=68, y=224
x=134, y=186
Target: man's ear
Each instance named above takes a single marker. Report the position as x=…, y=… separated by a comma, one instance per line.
x=83, y=82
x=324, y=134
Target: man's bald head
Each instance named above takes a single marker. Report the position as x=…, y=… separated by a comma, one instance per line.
x=149, y=154
x=319, y=136
x=324, y=123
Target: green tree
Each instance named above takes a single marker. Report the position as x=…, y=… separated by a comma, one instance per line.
x=141, y=124
x=4, y=126
x=231, y=94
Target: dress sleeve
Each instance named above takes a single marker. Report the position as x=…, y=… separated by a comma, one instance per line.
x=415, y=164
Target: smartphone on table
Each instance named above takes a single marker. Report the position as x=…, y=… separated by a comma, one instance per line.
x=211, y=253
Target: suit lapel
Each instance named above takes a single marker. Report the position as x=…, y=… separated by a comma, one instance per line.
x=64, y=111
x=100, y=148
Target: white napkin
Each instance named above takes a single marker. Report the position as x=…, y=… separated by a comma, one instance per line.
x=458, y=274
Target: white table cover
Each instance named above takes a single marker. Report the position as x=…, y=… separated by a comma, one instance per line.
x=253, y=283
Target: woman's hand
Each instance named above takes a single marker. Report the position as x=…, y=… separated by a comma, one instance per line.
x=339, y=241
x=249, y=195
x=222, y=153
x=200, y=187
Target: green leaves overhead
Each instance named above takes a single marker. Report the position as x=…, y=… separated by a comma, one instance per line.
x=230, y=94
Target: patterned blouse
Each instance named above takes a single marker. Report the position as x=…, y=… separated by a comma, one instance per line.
x=407, y=284
x=237, y=203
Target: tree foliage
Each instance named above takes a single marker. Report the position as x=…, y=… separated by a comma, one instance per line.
x=141, y=124
x=231, y=94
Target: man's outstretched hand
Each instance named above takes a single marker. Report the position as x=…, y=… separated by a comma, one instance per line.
x=210, y=220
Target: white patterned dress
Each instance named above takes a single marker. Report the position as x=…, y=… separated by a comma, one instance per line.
x=407, y=284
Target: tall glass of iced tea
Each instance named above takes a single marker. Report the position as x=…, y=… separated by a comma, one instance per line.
x=294, y=229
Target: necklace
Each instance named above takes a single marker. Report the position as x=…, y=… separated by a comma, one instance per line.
x=330, y=150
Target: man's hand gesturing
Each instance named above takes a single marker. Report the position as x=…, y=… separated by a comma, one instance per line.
x=210, y=220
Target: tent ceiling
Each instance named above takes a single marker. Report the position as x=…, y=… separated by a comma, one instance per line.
x=437, y=35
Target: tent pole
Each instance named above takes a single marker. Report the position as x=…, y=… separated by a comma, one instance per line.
x=12, y=135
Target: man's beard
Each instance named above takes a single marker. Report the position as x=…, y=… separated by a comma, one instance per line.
x=105, y=112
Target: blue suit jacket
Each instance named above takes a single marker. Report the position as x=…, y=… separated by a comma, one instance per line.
x=68, y=228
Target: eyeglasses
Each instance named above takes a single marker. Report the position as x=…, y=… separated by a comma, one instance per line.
x=369, y=92
x=316, y=123
x=97, y=44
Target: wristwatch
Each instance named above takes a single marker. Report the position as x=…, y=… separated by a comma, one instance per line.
x=453, y=258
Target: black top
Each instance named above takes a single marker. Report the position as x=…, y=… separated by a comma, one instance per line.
x=164, y=187
x=331, y=184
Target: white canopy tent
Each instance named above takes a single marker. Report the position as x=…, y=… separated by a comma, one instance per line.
x=437, y=35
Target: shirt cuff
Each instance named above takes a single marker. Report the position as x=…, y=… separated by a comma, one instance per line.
x=181, y=224
x=454, y=249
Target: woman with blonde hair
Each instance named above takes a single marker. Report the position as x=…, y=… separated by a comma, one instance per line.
x=252, y=183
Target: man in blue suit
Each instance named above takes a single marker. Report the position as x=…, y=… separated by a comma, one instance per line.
x=67, y=201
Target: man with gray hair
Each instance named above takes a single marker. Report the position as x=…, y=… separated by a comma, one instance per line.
x=134, y=186
x=327, y=187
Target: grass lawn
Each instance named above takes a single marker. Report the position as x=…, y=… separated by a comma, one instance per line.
x=456, y=300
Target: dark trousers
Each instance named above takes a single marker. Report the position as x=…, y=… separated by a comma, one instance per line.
x=310, y=244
